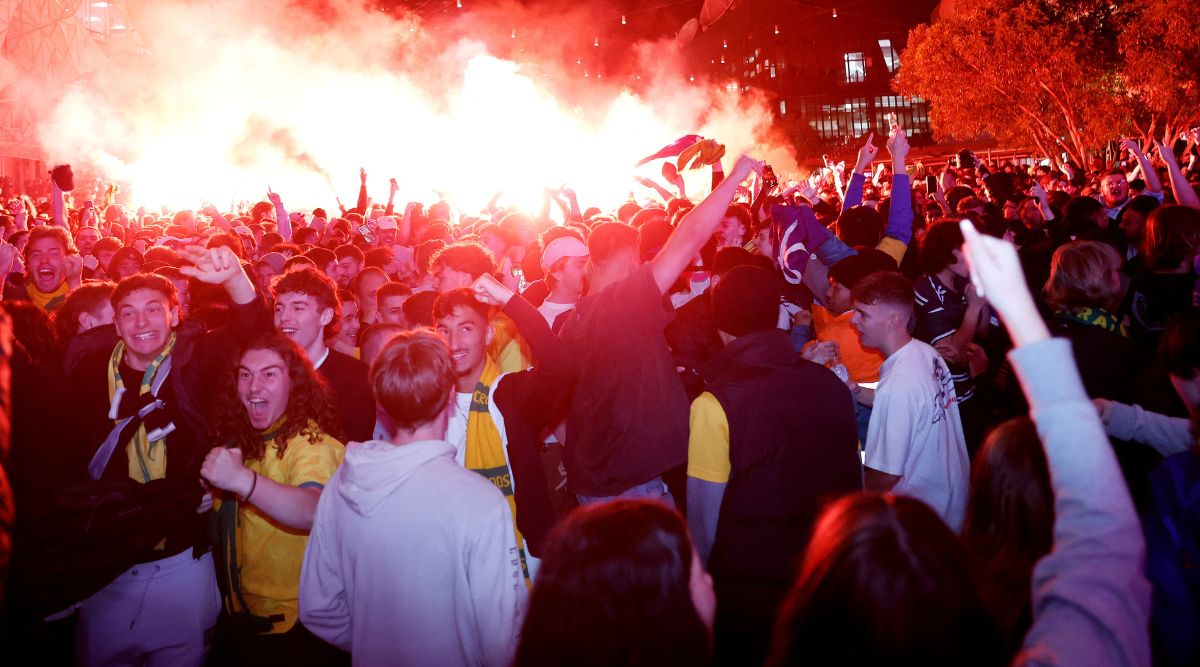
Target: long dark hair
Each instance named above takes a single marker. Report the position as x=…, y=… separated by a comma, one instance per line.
x=309, y=400
x=1010, y=520
x=613, y=590
x=884, y=582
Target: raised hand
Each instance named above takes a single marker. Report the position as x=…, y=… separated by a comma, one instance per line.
x=8, y=252
x=996, y=272
x=274, y=198
x=946, y=180
x=866, y=154
x=224, y=469
x=489, y=290
x=362, y=175
x=393, y=187
x=897, y=143
x=1132, y=146
x=742, y=168
x=73, y=265
x=215, y=266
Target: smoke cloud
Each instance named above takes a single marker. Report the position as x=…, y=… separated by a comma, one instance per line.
x=221, y=100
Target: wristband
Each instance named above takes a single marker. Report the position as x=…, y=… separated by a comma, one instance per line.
x=253, y=485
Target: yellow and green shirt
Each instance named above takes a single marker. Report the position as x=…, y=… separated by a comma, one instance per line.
x=264, y=579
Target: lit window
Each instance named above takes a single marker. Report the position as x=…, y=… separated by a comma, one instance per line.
x=855, y=67
x=890, y=57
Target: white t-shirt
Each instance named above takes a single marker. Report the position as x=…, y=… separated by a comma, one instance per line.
x=456, y=435
x=551, y=310
x=916, y=431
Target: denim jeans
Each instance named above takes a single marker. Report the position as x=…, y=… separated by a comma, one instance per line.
x=655, y=489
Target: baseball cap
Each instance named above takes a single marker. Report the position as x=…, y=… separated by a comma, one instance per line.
x=385, y=222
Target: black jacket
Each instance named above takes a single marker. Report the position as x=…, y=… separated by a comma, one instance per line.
x=531, y=402
x=792, y=447
x=99, y=528
x=353, y=397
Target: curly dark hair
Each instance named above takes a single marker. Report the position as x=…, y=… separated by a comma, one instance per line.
x=309, y=400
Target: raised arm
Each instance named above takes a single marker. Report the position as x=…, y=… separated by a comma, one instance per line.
x=696, y=227
x=220, y=266
x=58, y=209
x=900, y=213
x=290, y=506
x=1039, y=193
x=1153, y=184
x=17, y=208
x=362, y=191
x=393, y=188
x=653, y=185
x=283, y=223
x=217, y=218
x=1091, y=602
x=536, y=397
x=1185, y=194
x=854, y=191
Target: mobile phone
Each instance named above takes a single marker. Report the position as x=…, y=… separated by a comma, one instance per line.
x=930, y=184
x=366, y=233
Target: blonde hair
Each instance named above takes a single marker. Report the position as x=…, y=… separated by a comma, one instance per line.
x=413, y=377
x=1081, y=276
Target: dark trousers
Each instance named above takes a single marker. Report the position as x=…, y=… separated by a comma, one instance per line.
x=238, y=647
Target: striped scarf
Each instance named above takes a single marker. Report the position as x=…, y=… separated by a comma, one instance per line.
x=147, y=457
x=485, y=448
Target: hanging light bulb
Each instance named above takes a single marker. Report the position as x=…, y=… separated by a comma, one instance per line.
x=458, y=3
x=692, y=77
x=579, y=61
x=722, y=59
x=514, y=33
x=623, y=21
x=596, y=43
x=835, y=12
x=776, y=29
x=724, y=44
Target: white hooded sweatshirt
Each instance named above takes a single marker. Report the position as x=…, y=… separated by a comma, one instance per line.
x=412, y=561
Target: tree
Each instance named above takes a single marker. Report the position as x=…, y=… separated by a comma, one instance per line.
x=1075, y=74
x=1161, y=69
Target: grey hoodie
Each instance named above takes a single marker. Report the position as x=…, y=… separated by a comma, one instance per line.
x=412, y=560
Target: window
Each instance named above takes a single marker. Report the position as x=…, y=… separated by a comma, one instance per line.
x=856, y=67
x=890, y=57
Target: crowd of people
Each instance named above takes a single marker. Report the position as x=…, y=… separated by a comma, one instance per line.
x=889, y=414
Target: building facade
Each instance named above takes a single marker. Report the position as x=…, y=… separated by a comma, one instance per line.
x=828, y=69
